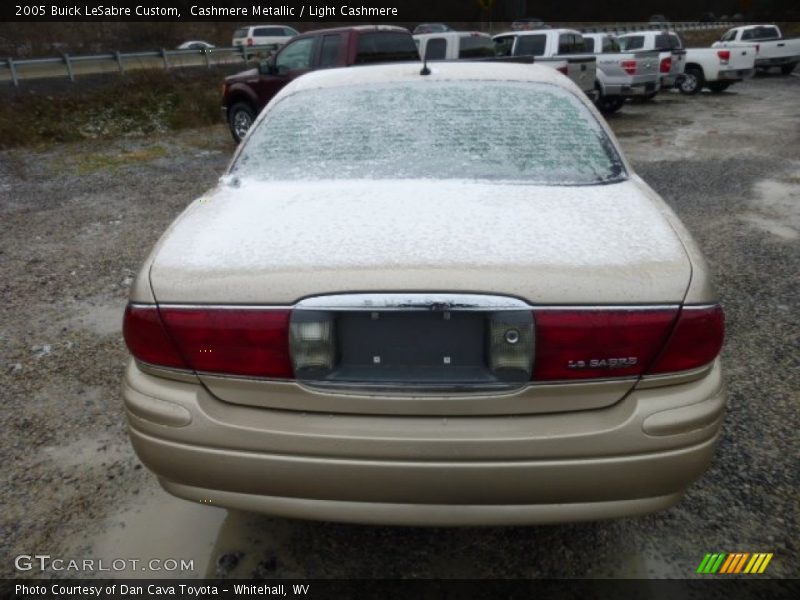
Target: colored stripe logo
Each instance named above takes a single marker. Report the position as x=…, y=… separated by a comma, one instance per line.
x=735, y=562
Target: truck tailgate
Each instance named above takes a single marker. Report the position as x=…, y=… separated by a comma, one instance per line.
x=741, y=57
x=582, y=70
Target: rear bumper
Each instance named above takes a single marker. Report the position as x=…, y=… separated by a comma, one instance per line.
x=631, y=458
x=668, y=81
x=734, y=74
x=637, y=89
x=763, y=63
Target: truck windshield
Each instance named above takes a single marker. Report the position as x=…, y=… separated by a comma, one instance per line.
x=524, y=131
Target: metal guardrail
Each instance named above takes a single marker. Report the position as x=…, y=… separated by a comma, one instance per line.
x=681, y=26
x=70, y=66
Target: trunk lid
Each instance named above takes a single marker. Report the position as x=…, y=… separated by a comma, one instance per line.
x=279, y=242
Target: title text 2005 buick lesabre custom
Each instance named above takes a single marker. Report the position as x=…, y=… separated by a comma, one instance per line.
x=427, y=299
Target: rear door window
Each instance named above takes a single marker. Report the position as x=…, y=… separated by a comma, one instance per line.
x=385, y=46
x=269, y=32
x=569, y=43
x=589, y=44
x=329, y=51
x=475, y=46
x=530, y=45
x=633, y=42
x=767, y=33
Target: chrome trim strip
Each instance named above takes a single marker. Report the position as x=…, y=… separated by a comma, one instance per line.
x=184, y=306
x=411, y=301
x=316, y=303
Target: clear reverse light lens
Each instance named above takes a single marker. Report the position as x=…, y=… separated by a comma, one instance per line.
x=312, y=341
x=510, y=344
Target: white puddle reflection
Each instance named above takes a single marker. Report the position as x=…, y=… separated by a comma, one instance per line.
x=160, y=528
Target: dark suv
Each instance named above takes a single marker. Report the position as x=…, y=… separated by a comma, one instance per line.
x=246, y=93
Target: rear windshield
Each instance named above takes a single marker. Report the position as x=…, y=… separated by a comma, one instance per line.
x=386, y=46
x=666, y=41
x=240, y=33
x=522, y=131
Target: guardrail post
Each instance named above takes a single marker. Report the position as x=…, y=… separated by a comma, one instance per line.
x=164, y=56
x=207, y=53
x=69, y=68
x=119, y=63
x=13, y=71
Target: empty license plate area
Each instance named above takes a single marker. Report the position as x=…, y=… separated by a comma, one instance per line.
x=413, y=348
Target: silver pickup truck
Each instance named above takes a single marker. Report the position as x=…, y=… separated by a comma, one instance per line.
x=671, y=58
x=560, y=49
x=621, y=75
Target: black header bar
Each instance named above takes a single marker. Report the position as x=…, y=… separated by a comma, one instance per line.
x=386, y=11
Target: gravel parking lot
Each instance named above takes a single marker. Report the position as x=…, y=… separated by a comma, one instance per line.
x=78, y=219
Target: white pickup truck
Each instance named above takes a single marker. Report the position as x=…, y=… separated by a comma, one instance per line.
x=714, y=68
x=671, y=60
x=561, y=49
x=621, y=75
x=772, y=49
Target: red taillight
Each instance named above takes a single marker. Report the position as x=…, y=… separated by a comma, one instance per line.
x=758, y=47
x=587, y=344
x=147, y=338
x=629, y=66
x=232, y=341
x=695, y=341
x=724, y=56
x=563, y=70
x=666, y=65
x=570, y=344
x=250, y=41
x=229, y=341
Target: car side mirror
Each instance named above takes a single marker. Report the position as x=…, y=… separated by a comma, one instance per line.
x=267, y=67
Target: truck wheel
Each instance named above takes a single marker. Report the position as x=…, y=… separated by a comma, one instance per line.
x=609, y=104
x=692, y=81
x=786, y=69
x=719, y=86
x=240, y=117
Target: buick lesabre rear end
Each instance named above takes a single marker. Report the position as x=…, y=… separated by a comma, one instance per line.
x=427, y=298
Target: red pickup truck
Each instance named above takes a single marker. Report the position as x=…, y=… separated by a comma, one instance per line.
x=246, y=93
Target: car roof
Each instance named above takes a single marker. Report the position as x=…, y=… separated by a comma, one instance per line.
x=450, y=34
x=358, y=28
x=441, y=71
x=538, y=32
